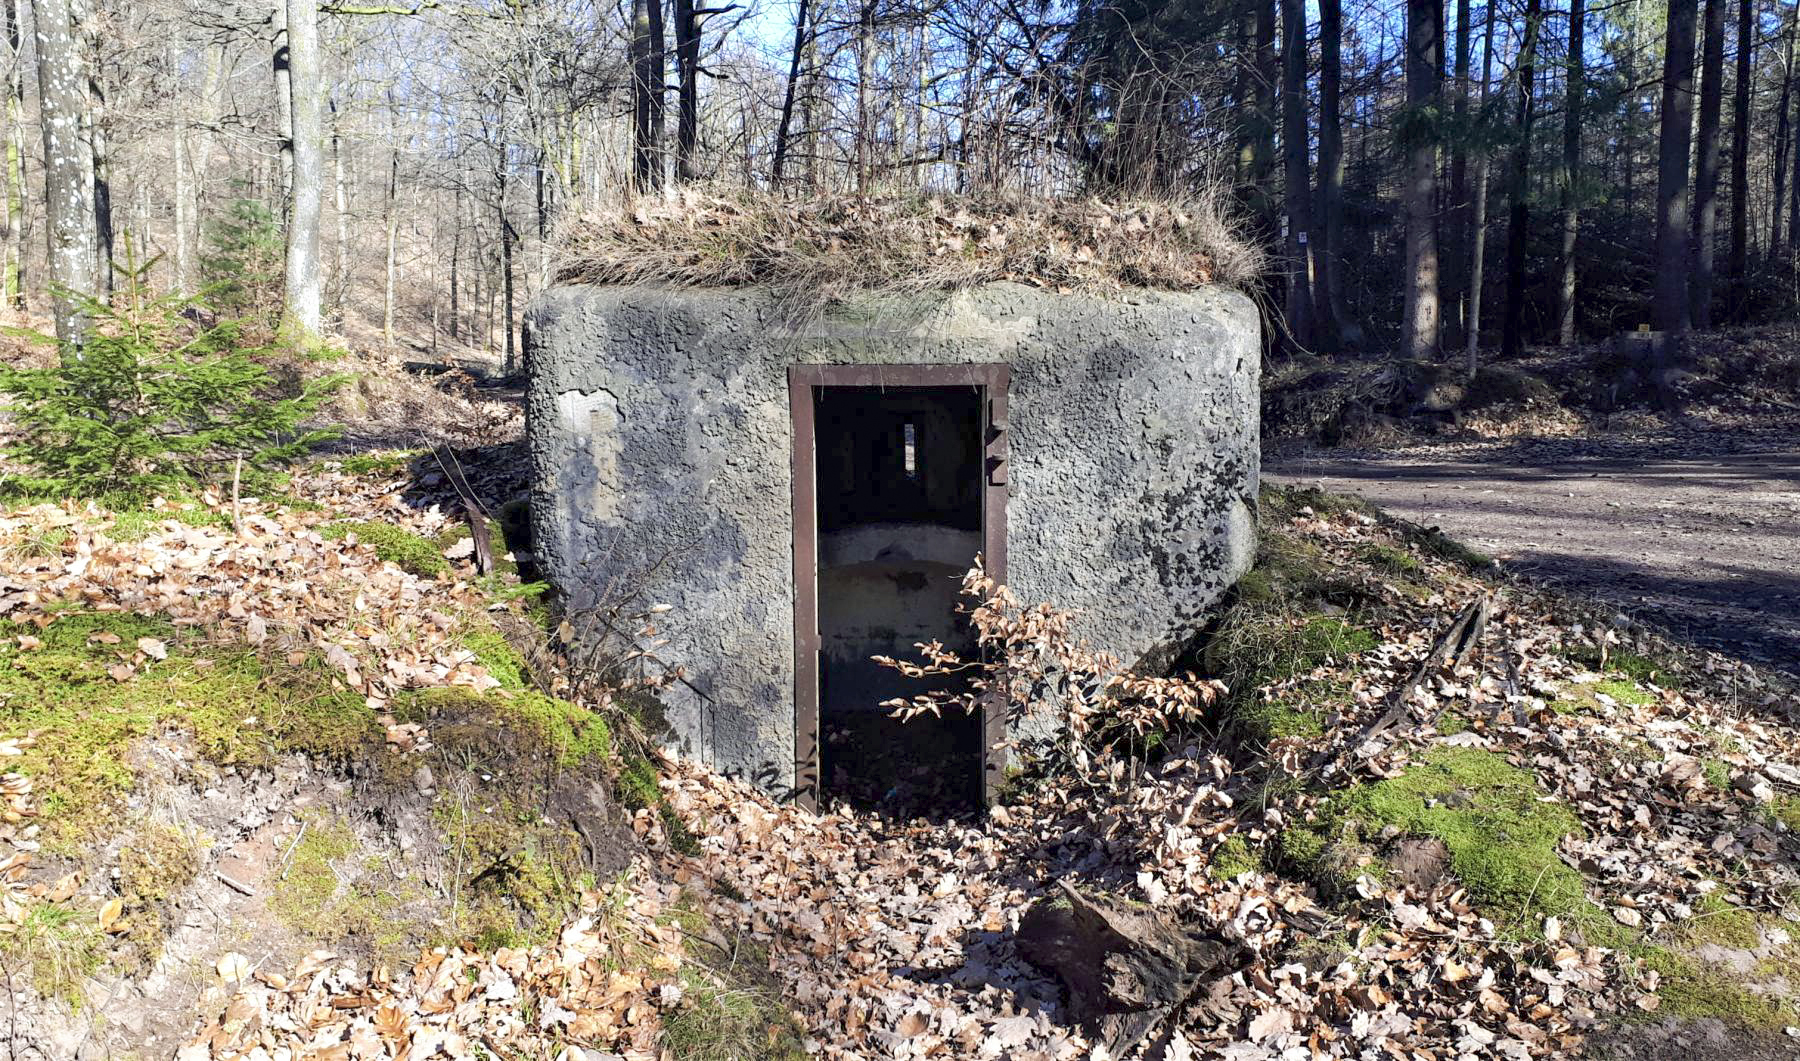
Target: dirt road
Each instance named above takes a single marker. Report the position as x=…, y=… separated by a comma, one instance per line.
x=1696, y=533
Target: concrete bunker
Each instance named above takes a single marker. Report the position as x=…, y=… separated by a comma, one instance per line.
x=806, y=496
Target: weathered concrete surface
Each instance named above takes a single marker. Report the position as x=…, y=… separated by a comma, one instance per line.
x=660, y=442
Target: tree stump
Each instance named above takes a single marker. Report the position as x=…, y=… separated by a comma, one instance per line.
x=1128, y=969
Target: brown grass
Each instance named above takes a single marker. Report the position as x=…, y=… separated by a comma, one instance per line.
x=815, y=251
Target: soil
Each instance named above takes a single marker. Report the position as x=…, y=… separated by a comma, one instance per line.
x=1695, y=531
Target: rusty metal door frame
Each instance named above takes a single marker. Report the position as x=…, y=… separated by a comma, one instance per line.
x=994, y=381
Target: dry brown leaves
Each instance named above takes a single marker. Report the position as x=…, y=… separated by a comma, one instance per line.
x=895, y=937
x=276, y=581
x=457, y=1003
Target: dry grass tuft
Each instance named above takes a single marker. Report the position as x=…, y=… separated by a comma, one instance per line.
x=816, y=251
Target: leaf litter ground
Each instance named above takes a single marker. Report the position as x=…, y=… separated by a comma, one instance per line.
x=1664, y=887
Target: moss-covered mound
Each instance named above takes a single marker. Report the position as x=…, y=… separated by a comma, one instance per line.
x=91, y=683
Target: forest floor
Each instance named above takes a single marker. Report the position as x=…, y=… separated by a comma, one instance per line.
x=1691, y=530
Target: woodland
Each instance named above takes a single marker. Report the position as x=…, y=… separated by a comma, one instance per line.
x=301, y=757
x=1430, y=180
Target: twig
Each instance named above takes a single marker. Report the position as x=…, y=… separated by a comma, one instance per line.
x=288, y=860
x=234, y=884
x=1452, y=646
x=237, y=512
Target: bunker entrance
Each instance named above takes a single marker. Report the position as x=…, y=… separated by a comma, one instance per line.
x=904, y=475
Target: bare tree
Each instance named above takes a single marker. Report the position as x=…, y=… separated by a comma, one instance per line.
x=1670, y=309
x=1518, y=228
x=1738, y=261
x=1706, y=170
x=1570, y=176
x=1297, y=193
x=302, y=285
x=1478, y=210
x=1327, y=303
x=1424, y=82
x=647, y=71
x=68, y=166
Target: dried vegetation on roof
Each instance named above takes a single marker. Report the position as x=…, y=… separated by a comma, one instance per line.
x=815, y=251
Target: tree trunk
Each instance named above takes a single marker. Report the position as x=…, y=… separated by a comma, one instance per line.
x=281, y=64
x=783, y=128
x=100, y=165
x=687, y=96
x=303, y=289
x=1793, y=223
x=1262, y=147
x=1455, y=288
x=1779, y=201
x=1326, y=297
x=1706, y=168
x=1670, y=308
x=455, y=265
x=13, y=289
x=391, y=223
x=341, y=204
x=1512, y=326
x=184, y=193
x=506, y=262
x=68, y=167
x=1478, y=210
x=1738, y=261
x=1571, y=175
x=865, y=87
x=646, y=94
x=1296, y=192
x=1424, y=64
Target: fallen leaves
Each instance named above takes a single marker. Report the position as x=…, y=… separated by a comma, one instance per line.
x=458, y=1003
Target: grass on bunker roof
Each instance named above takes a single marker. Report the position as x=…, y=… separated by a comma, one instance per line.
x=816, y=251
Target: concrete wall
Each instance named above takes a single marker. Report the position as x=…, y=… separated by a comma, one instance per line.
x=660, y=447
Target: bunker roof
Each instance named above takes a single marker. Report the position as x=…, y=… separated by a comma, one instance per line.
x=819, y=250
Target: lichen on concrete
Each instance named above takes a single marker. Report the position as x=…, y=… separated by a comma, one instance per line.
x=660, y=440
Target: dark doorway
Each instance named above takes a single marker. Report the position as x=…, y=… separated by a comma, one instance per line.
x=907, y=488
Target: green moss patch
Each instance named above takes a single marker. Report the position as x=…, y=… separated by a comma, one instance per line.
x=87, y=710
x=1387, y=559
x=498, y=657
x=460, y=719
x=1625, y=692
x=731, y=1006
x=1232, y=858
x=59, y=945
x=1690, y=988
x=395, y=545
x=519, y=877
x=378, y=463
x=1501, y=837
x=328, y=894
